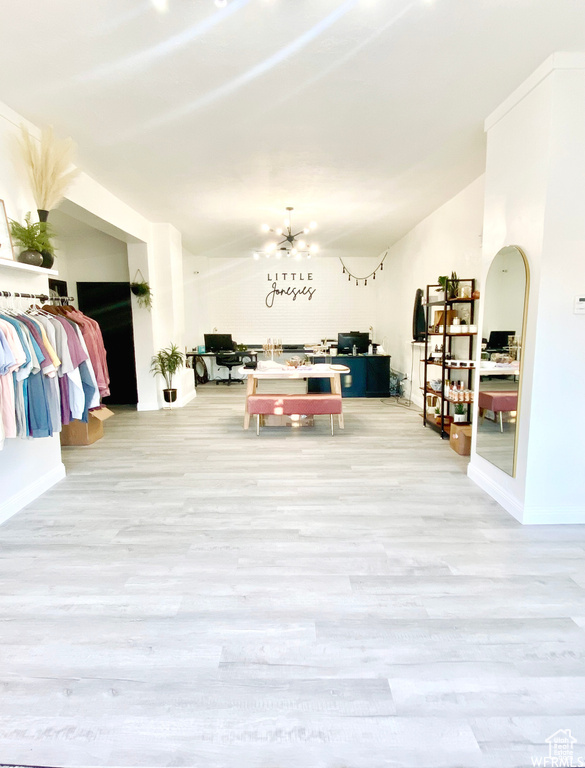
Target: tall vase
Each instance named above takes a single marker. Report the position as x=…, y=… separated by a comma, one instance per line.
x=48, y=258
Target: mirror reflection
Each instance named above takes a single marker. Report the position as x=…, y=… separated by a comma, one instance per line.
x=505, y=297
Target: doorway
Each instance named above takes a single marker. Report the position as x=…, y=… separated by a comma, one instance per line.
x=109, y=304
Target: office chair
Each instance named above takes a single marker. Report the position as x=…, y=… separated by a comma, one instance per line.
x=229, y=360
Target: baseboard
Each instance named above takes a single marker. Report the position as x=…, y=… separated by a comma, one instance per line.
x=526, y=514
x=148, y=406
x=510, y=504
x=554, y=515
x=179, y=403
x=186, y=399
x=35, y=489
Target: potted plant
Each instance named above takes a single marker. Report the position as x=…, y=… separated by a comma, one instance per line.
x=449, y=285
x=438, y=415
x=459, y=414
x=35, y=239
x=166, y=363
x=143, y=294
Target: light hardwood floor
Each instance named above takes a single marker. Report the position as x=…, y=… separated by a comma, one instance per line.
x=194, y=595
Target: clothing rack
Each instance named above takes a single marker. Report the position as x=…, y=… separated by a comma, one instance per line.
x=39, y=296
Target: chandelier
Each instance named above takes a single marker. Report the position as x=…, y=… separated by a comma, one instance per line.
x=290, y=245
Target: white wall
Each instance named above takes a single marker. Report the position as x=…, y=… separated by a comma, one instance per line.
x=169, y=304
x=535, y=198
x=91, y=257
x=447, y=240
x=27, y=467
x=232, y=296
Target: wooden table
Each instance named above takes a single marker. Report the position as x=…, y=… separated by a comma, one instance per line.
x=290, y=374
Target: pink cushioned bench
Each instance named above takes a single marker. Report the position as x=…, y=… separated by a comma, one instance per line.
x=290, y=405
x=498, y=401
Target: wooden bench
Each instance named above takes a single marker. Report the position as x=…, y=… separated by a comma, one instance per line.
x=497, y=401
x=292, y=405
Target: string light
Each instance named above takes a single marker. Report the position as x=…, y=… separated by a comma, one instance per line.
x=365, y=278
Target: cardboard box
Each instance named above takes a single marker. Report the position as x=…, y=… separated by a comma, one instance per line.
x=79, y=433
x=460, y=439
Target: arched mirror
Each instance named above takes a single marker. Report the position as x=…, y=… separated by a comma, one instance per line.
x=500, y=373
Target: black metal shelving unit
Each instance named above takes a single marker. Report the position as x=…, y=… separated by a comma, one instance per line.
x=446, y=337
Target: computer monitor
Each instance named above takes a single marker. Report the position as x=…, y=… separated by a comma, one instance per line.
x=218, y=342
x=346, y=342
x=499, y=339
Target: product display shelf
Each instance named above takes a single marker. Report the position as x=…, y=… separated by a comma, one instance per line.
x=455, y=335
x=439, y=330
x=443, y=429
x=16, y=266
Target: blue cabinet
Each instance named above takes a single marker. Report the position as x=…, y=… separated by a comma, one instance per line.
x=369, y=376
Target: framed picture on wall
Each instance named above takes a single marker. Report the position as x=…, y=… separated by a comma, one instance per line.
x=5, y=239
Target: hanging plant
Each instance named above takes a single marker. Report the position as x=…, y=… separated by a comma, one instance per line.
x=141, y=289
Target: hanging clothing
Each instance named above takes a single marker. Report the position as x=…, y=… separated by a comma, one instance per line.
x=52, y=369
x=94, y=342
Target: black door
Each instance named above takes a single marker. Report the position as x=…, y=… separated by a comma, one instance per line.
x=109, y=304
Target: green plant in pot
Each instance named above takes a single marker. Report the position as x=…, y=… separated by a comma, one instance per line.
x=166, y=363
x=438, y=415
x=459, y=413
x=35, y=239
x=143, y=293
x=449, y=285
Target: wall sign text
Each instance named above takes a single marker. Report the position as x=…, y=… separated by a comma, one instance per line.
x=297, y=285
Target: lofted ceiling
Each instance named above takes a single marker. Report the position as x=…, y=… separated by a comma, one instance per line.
x=365, y=115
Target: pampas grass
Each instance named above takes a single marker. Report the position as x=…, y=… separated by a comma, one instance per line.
x=49, y=166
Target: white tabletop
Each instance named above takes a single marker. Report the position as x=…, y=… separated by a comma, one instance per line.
x=499, y=369
x=321, y=371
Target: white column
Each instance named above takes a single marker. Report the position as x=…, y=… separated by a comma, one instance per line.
x=535, y=198
x=161, y=262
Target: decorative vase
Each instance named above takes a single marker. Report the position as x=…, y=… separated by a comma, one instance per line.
x=170, y=395
x=34, y=258
x=48, y=257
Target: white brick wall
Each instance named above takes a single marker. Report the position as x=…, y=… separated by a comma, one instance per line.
x=230, y=295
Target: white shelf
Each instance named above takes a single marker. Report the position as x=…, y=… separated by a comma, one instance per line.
x=17, y=266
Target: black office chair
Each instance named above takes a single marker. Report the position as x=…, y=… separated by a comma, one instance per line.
x=229, y=360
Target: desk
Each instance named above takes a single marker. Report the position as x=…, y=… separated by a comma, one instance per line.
x=322, y=371
x=370, y=375
x=251, y=353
